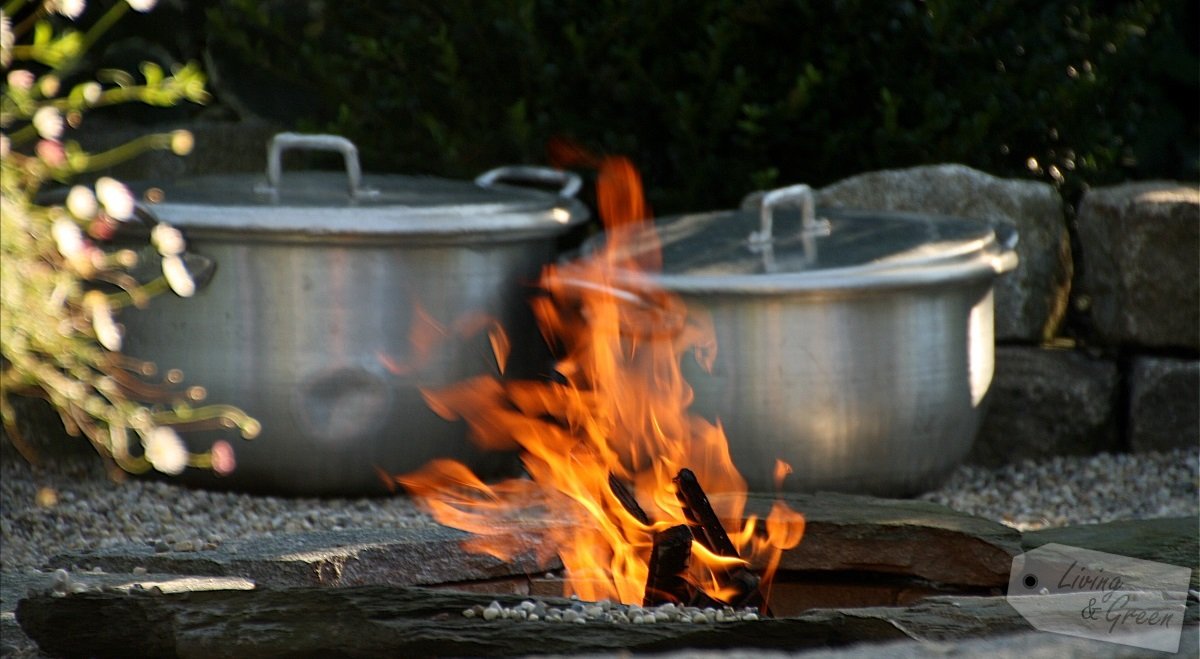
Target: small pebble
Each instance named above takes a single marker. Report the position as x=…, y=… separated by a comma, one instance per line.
x=491, y=614
x=139, y=570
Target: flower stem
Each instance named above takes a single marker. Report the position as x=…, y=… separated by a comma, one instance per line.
x=106, y=21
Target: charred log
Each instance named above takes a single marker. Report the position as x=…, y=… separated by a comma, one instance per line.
x=706, y=527
x=628, y=501
x=669, y=559
x=704, y=522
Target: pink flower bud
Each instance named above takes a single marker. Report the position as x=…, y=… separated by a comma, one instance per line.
x=223, y=462
x=51, y=153
x=20, y=79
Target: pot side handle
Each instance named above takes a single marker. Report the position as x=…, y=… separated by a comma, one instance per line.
x=569, y=182
x=1006, y=240
x=285, y=141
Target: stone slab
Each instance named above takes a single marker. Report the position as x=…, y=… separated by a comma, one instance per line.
x=843, y=533
x=386, y=621
x=425, y=556
x=1046, y=402
x=1164, y=404
x=896, y=536
x=1174, y=540
x=1139, y=259
x=1019, y=645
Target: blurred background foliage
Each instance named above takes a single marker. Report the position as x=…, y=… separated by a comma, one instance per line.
x=714, y=98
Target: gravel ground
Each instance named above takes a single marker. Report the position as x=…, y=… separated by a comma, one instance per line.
x=70, y=504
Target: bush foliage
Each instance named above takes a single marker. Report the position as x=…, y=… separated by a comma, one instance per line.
x=713, y=98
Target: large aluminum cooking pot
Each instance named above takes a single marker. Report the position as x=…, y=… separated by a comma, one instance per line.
x=855, y=346
x=337, y=297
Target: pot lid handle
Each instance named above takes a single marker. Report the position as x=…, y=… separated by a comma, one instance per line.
x=810, y=226
x=284, y=141
x=569, y=182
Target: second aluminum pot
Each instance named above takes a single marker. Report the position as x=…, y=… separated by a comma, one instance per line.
x=856, y=346
x=336, y=298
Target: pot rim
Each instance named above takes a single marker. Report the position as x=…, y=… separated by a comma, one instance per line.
x=974, y=252
x=324, y=204
x=476, y=223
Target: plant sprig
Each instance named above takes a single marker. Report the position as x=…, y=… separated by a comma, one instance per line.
x=59, y=288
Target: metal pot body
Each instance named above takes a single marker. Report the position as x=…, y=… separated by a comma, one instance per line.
x=337, y=298
x=856, y=346
x=328, y=344
x=878, y=393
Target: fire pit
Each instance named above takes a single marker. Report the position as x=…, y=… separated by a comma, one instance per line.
x=870, y=570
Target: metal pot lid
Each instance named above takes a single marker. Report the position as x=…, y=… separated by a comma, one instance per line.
x=788, y=245
x=331, y=203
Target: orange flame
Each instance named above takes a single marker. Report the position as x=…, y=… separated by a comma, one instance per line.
x=618, y=410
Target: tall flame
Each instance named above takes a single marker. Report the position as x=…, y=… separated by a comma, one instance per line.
x=616, y=410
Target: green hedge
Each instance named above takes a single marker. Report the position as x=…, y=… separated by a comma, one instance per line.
x=713, y=98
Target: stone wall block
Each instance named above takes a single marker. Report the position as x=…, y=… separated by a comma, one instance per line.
x=1164, y=404
x=1140, y=263
x=1030, y=301
x=1047, y=402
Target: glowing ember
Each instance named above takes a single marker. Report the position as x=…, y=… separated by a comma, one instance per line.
x=616, y=412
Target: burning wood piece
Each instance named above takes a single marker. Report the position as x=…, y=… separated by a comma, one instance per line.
x=628, y=501
x=706, y=527
x=668, y=561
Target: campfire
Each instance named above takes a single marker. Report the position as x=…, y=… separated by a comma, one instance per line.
x=612, y=455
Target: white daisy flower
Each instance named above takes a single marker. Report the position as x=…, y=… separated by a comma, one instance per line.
x=178, y=278
x=167, y=239
x=116, y=198
x=69, y=8
x=81, y=202
x=165, y=450
x=106, y=328
x=48, y=122
x=68, y=238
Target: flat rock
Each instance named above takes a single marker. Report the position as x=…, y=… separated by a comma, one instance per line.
x=1170, y=540
x=386, y=621
x=1030, y=301
x=896, y=536
x=1140, y=252
x=1046, y=402
x=1018, y=645
x=425, y=556
x=1164, y=404
x=843, y=533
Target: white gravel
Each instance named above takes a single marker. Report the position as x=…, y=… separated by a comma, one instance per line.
x=1078, y=490
x=70, y=504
